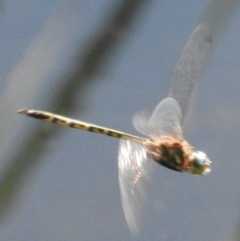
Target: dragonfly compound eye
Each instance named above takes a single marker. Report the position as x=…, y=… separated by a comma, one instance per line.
x=199, y=163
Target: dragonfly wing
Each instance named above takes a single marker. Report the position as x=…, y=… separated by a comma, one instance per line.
x=165, y=120
x=189, y=68
x=134, y=169
x=140, y=122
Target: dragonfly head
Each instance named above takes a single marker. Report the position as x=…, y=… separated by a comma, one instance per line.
x=199, y=163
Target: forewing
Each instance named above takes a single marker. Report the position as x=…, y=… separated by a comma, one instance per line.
x=165, y=120
x=134, y=173
x=189, y=68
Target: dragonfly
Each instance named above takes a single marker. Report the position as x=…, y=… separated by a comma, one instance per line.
x=165, y=143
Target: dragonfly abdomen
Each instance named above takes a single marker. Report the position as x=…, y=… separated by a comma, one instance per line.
x=68, y=122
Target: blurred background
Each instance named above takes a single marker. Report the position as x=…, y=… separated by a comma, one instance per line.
x=101, y=62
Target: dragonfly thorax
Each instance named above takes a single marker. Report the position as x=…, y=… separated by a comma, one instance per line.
x=169, y=152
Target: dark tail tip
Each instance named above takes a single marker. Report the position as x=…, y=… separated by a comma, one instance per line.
x=23, y=111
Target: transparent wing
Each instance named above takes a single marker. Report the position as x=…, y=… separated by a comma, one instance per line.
x=189, y=68
x=165, y=120
x=140, y=122
x=134, y=173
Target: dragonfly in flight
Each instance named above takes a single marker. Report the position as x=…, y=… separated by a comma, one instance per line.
x=165, y=143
